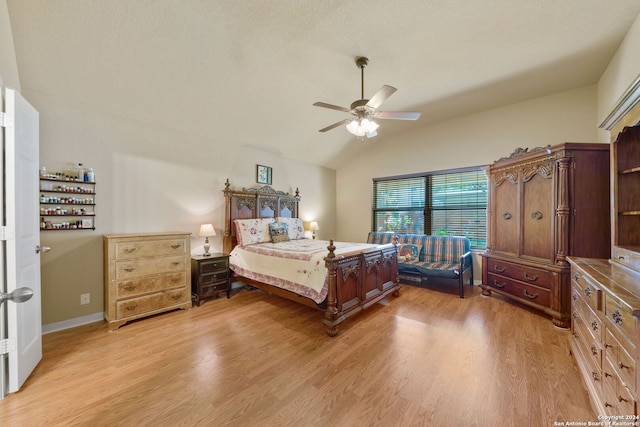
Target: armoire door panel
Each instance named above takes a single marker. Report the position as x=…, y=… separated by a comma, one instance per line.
x=506, y=217
x=537, y=218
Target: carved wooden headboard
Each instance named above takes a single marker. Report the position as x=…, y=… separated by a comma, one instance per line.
x=263, y=202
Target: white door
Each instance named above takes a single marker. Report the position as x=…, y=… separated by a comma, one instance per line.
x=22, y=234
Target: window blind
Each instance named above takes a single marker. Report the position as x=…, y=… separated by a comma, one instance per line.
x=446, y=202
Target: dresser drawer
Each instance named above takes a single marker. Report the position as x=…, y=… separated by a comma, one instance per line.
x=520, y=290
x=621, y=317
x=215, y=277
x=589, y=345
x=126, y=269
x=588, y=290
x=145, y=248
x=134, y=306
x=592, y=322
x=618, y=400
x=147, y=284
x=619, y=357
x=213, y=266
x=526, y=274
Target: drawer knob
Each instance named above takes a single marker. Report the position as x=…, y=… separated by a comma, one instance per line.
x=576, y=277
x=499, y=285
x=175, y=263
x=175, y=246
x=176, y=297
x=623, y=366
x=175, y=280
x=129, y=250
x=607, y=374
x=498, y=269
x=534, y=278
x=595, y=376
x=587, y=291
x=506, y=216
x=528, y=295
x=594, y=350
x=575, y=297
x=574, y=315
x=537, y=215
x=617, y=317
x=620, y=257
x=129, y=269
x=129, y=287
x=594, y=325
x=622, y=399
x=608, y=345
x=131, y=307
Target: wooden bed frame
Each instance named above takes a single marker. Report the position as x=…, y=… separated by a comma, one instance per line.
x=355, y=281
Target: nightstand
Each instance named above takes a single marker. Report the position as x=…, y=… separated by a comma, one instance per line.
x=209, y=276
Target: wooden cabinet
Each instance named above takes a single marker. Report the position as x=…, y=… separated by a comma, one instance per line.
x=604, y=338
x=210, y=276
x=145, y=274
x=544, y=205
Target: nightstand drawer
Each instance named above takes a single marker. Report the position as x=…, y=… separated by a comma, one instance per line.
x=213, y=266
x=213, y=289
x=206, y=279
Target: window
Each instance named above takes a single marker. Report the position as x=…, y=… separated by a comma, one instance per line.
x=445, y=202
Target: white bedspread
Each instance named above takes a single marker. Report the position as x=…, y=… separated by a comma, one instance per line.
x=296, y=265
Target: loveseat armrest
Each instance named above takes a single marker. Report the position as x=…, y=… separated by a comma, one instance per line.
x=466, y=263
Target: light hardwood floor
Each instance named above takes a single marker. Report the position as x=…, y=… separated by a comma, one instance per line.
x=426, y=358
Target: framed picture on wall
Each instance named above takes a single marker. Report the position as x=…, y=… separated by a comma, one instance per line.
x=263, y=175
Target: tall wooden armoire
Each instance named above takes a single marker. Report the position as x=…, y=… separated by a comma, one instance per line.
x=545, y=204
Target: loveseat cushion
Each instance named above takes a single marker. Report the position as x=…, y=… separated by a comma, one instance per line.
x=446, y=249
x=434, y=269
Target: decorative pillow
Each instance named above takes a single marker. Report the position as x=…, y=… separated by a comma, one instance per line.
x=279, y=232
x=255, y=230
x=294, y=225
x=408, y=252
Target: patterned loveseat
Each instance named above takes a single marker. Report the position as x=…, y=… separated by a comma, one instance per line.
x=437, y=259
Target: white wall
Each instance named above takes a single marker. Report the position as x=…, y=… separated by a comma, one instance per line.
x=8, y=64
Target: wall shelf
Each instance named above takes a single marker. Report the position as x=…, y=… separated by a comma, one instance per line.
x=66, y=204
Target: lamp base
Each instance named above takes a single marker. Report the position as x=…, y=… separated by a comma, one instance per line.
x=206, y=247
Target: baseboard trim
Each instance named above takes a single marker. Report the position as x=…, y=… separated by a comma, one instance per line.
x=72, y=323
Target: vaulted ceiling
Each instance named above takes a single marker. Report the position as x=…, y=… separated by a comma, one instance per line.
x=248, y=71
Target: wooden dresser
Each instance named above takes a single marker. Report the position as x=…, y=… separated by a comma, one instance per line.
x=145, y=274
x=545, y=204
x=604, y=341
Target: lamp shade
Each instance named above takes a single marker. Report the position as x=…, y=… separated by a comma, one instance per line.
x=207, y=230
x=313, y=226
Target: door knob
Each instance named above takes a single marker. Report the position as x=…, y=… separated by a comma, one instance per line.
x=18, y=295
x=42, y=249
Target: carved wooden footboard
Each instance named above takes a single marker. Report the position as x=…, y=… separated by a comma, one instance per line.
x=356, y=280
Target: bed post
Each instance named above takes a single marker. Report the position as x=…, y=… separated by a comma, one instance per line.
x=332, y=301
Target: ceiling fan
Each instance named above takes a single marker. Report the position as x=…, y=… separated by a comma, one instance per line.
x=363, y=111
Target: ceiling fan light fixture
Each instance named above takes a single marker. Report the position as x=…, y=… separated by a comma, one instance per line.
x=362, y=110
x=362, y=127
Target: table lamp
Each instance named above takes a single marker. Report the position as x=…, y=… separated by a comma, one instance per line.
x=206, y=231
x=313, y=226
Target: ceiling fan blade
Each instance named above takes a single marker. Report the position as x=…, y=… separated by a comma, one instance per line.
x=397, y=115
x=331, y=106
x=381, y=96
x=335, y=125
